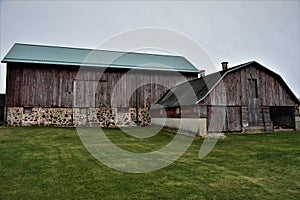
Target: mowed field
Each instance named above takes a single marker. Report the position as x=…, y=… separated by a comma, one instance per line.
x=52, y=163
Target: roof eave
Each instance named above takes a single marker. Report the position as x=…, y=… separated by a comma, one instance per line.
x=7, y=60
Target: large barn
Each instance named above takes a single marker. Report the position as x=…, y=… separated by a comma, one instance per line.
x=245, y=98
x=60, y=86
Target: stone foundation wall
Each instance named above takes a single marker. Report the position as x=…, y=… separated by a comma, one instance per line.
x=94, y=117
x=40, y=117
x=55, y=117
x=88, y=117
x=144, y=116
x=125, y=119
x=14, y=116
x=32, y=118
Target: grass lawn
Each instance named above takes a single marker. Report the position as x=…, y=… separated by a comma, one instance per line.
x=52, y=163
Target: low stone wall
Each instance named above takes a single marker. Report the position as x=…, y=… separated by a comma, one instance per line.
x=88, y=117
x=193, y=125
x=15, y=116
x=94, y=117
x=125, y=119
x=56, y=116
x=40, y=117
x=32, y=118
x=143, y=116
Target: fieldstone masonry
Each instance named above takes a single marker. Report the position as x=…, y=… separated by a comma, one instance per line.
x=14, y=116
x=144, y=116
x=87, y=117
x=94, y=117
x=125, y=119
x=55, y=117
x=31, y=119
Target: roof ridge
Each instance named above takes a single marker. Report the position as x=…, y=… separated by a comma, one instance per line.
x=91, y=49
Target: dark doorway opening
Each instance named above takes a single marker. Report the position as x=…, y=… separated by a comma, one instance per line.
x=2, y=100
x=283, y=117
x=1, y=115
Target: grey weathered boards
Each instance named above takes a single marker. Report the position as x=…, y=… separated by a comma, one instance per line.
x=62, y=86
x=247, y=97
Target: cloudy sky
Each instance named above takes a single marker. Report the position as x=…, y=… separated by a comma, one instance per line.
x=234, y=31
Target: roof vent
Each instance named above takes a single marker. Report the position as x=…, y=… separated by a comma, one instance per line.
x=224, y=65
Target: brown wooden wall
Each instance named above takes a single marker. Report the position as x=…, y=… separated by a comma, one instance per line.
x=53, y=86
x=236, y=91
x=243, y=103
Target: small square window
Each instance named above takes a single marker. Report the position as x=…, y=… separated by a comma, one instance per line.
x=82, y=110
x=123, y=109
x=27, y=110
x=178, y=110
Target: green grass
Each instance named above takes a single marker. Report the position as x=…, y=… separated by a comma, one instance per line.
x=52, y=163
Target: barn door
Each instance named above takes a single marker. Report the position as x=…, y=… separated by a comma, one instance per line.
x=283, y=117
x=84, y=93
x=216, y=119
x=101, y=95
x=253, y=103
x=234, y=119
x=253, y=111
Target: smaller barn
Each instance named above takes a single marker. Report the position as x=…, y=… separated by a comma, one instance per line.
x=245, y=98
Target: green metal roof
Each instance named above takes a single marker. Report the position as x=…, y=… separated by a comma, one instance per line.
x=28, y=53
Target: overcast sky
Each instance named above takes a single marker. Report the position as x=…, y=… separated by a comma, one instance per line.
x=234, y=31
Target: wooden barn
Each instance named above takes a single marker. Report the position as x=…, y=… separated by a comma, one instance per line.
x=245, y=98
x=60, y=86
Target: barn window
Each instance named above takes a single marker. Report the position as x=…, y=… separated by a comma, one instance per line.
x=253, y=88
x=161, y=111
x=178, y=110
x=27, y=110
x=123, y=109
x=83, y=111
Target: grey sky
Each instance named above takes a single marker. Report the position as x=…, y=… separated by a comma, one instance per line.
x=235, y=31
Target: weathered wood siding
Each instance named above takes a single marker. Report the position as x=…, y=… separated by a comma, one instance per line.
x=216, y=118
x=244, y=104
x=33, y=85
x=234, y=89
